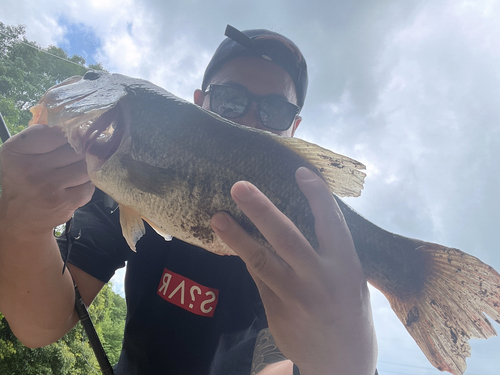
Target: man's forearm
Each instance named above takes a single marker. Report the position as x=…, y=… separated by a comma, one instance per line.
x=36, y=299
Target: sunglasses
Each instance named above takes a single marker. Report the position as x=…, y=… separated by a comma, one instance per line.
x=273, y=111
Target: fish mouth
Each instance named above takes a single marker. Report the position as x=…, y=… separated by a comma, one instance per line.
x=102, y=136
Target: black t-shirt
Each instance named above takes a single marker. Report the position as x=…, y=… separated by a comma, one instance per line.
x=188, y=311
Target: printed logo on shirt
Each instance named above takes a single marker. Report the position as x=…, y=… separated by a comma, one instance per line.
x=188, y=294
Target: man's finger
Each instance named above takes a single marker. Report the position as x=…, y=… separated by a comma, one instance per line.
x=278, y=229
x=61, y=157
x=71, y=175
x=36, y=139
x=80, y=195
x=263, y=264
x=331, y=229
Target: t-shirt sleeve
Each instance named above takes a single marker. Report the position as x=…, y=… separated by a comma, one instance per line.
x=99, y=248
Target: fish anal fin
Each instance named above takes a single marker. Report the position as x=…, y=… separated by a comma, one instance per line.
x=450, y=309
x=158, y=230
x=132, y=225
x=342, y=174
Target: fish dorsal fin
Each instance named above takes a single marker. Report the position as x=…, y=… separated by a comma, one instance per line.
x=132, y=225
x=342, y=174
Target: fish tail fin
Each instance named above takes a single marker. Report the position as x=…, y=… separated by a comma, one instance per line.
x=450, y=309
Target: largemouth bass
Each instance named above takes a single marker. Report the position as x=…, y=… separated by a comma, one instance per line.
x=172, y=164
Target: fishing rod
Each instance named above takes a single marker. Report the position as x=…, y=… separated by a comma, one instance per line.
x=4, y=131
x=89, y=328
x=80, y=307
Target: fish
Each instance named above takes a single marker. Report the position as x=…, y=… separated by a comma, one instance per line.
x=172, y=164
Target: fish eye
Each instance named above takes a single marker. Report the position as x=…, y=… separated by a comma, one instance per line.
x=91, y=75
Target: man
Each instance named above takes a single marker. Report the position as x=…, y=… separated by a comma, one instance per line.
x=191, y=311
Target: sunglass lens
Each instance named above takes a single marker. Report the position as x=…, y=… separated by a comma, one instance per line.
x=227, y=101
x=276, y=113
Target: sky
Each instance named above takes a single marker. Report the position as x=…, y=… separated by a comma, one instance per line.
x=409, y=88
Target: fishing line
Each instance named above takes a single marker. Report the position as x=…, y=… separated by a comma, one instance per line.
x=41, y=50
x=430, y=369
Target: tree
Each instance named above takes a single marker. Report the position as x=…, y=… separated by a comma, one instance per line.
x=61, y=358
x=72, y=354
x=108, y=313
x=26, y=72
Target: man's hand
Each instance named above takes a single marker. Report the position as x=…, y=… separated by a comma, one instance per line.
x=43, y=180
x=316, y=300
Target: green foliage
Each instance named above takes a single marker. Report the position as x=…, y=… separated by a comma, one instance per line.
x=12, y=115
x=72, y=354
x=108, y=314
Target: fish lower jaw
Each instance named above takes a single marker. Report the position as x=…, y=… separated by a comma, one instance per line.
x=100, y=136
x=96, y=137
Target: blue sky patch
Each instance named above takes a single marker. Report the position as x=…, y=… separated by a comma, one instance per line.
x=79, y=40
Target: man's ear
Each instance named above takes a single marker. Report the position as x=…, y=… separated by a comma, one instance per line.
x=199, y=97
x=296, y=124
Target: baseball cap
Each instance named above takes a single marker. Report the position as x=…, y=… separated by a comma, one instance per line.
x=261, y=43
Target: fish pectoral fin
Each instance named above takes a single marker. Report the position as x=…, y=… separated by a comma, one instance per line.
x=158, y=230
x=146, y=177
x=342, y=174
x=132, y=225
x=450, y=309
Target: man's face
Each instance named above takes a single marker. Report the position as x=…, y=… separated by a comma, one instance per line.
x=260, y=77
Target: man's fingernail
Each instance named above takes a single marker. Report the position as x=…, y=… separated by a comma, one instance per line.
x=305, y=174
x=242, y=192
x=220, y=222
